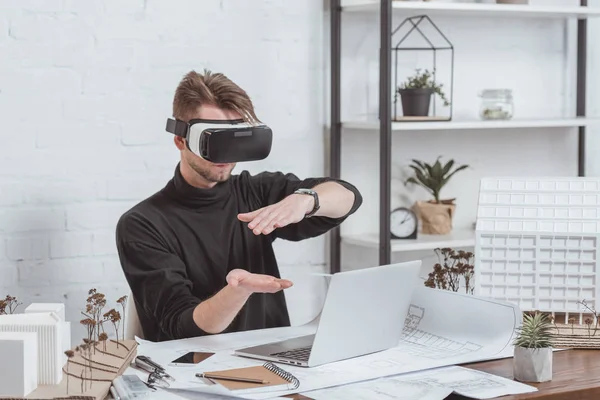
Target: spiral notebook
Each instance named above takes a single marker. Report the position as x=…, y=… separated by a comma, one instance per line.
x=274, y=377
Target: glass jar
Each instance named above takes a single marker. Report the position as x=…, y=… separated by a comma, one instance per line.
x=496, y=104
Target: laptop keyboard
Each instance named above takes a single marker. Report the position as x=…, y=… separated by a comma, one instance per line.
x=301, y=353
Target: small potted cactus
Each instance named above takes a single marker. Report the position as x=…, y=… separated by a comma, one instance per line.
x=532, y=360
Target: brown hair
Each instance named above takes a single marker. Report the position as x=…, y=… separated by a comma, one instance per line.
x=216, y=89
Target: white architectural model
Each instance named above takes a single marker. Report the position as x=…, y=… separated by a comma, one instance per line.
x=49, y=329
x=59, y=310
x=537, y=243
x=56, y=308
x=18, y=369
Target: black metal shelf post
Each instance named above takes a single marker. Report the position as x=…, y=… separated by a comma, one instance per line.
x=385, y=131
x=336, y=123
x=581, y=88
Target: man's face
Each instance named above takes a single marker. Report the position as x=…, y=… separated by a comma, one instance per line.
x=207, y=170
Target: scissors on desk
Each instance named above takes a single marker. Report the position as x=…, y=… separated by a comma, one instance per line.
x=157, y=374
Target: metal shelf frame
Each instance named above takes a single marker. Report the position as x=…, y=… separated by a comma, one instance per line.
x=385, y=118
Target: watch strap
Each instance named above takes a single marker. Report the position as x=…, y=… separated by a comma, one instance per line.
x=315, y=196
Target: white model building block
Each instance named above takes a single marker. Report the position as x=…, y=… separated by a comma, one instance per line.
x=18, y=366
x=537, y=242
x=57, y=308
x=49, y=342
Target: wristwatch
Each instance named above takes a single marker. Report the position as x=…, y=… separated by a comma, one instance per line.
x=315, y=196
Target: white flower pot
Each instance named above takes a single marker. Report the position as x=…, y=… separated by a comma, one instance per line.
x=532, y=365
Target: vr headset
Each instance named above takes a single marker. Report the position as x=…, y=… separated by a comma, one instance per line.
x=224, y=141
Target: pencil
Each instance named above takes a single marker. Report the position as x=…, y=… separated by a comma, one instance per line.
x=231, y=378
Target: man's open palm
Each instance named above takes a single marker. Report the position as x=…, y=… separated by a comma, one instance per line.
x=290, y=210
x=256, y=283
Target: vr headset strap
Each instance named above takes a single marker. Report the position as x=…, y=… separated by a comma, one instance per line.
x=182, y=128
x=178, y=127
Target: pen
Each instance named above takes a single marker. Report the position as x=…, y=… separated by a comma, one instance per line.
x=231, y=378
x=114, y=394
x=147, y=365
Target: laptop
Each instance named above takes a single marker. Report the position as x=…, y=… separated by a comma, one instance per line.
x=364, y=313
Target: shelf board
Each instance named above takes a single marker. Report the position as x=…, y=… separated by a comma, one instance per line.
x=474, y=124
x=457, y=238
x=474, y=9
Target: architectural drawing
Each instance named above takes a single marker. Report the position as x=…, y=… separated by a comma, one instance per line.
x=537, y=242
x=433, y=384
x=443, y=329
x=425, y=344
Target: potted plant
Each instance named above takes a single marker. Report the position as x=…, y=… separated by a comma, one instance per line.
x=532, y=360
x=436, y=215
x=416, y=94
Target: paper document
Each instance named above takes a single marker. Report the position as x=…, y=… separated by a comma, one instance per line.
x=382, y=388
x=442, y=328
x=431, y=384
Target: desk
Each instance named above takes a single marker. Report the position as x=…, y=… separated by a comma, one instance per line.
x=576, y=376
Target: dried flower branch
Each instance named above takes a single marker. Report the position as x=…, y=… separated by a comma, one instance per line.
x=452, y=267
x=594, y=313
x=103, y=337
x=96, y=301
x=69, y=354
x=9, y=305
x=115, y=317
x=123, y=302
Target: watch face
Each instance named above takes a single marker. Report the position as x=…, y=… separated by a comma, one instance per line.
x=403, y=222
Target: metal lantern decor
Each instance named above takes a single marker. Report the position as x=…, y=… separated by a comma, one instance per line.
x=415, y=92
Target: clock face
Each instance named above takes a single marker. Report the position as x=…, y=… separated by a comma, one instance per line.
x=403, y=222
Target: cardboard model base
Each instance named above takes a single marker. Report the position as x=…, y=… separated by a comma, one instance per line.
x=89, y=375
x=576, y=336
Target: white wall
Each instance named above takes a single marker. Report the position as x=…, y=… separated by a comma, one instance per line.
x=528, y=56
x=85, y=89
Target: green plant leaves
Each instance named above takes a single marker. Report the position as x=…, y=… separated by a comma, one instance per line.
x=424, y=80
x=433, y=177
x=535, y=332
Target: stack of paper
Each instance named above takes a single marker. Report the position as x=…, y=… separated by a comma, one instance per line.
x=442, y=329
x=434, y=384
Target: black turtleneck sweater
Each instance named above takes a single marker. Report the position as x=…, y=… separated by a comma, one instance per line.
x=177, y=246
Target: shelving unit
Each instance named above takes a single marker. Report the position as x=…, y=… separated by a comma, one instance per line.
x=475, y=124
x=387, y=9
x=458, y=238
x=433, y=8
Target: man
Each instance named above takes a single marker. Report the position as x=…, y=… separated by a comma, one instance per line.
x=198, y=254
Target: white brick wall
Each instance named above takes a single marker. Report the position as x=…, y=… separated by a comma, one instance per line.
x=85, y=88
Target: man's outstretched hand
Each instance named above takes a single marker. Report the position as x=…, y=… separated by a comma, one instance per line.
x=290, y=210
x=256, y=283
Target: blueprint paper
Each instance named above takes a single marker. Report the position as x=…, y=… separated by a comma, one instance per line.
x=383, y=388
x=440, y=382
x=443, y=328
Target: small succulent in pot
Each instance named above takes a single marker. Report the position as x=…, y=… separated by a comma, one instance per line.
x=532, y=360
x=416, y=93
